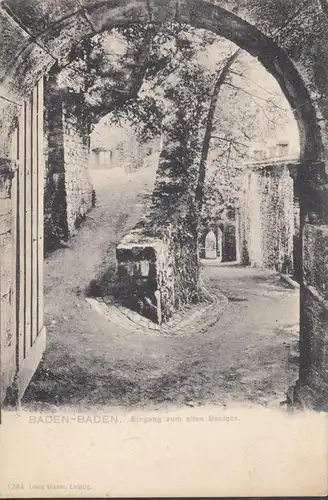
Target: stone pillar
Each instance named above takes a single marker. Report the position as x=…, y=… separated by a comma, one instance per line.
x=312, y=387
x=76, y=161
x=68, y=189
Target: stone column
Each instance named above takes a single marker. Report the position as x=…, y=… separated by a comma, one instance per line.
x=312, y=387
x=68, y=189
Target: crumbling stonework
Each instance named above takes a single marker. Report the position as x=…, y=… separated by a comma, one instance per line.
x=169, y=229
x=76, y=158
x=267, y=218
x=161, y=273
x=68, y=189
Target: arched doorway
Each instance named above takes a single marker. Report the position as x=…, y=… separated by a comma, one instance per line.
x=54, y=41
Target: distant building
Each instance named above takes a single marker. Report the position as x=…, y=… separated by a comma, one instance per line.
x=101, y=157
x=269, y=212
x=282, y=149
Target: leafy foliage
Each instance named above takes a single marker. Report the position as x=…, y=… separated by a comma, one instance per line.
x=160, y=79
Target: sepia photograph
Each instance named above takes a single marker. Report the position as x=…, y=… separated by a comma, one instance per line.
x=164, y=248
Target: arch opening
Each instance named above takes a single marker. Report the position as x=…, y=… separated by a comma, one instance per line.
x=274, y=59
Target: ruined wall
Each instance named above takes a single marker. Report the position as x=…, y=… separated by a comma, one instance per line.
x=277, y=209
x=55, y=221
x=160, y=273
x=267, y=219
x=78, y=185
x=314, y=317
x=166, y=237
x=68, y=189
x=7, y=311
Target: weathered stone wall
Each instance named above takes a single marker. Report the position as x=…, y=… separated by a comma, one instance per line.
x=55, y=220
x=76, y=159
x=168, y=232
x=68, y=189
x=314, y=316
x=7, y=317
x=277, y=209
x=267, y=224
x=160, y=272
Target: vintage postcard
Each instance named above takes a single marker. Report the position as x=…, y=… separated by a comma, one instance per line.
x=164, y=248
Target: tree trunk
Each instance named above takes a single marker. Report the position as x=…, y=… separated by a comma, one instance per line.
x=209, y=126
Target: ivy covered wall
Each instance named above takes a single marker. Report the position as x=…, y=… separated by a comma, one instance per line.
x=267, y=225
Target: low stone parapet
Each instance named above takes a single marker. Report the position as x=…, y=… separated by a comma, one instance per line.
x=157, y=275
x=143, y=269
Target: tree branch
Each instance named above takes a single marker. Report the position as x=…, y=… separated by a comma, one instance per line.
x=228, y=140
x=256, y=96
x=252, y=81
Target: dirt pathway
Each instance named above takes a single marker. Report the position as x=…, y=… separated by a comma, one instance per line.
x=244, y=357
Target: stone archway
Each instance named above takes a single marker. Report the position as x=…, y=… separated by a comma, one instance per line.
x=35, y=39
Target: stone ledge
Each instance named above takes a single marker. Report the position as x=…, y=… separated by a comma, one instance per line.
x=182, y=320
x=118, y=315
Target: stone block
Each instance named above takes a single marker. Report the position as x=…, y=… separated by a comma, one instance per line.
x=139, y=270
x=28, y=68
x=173, y=270
x=6, y=202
